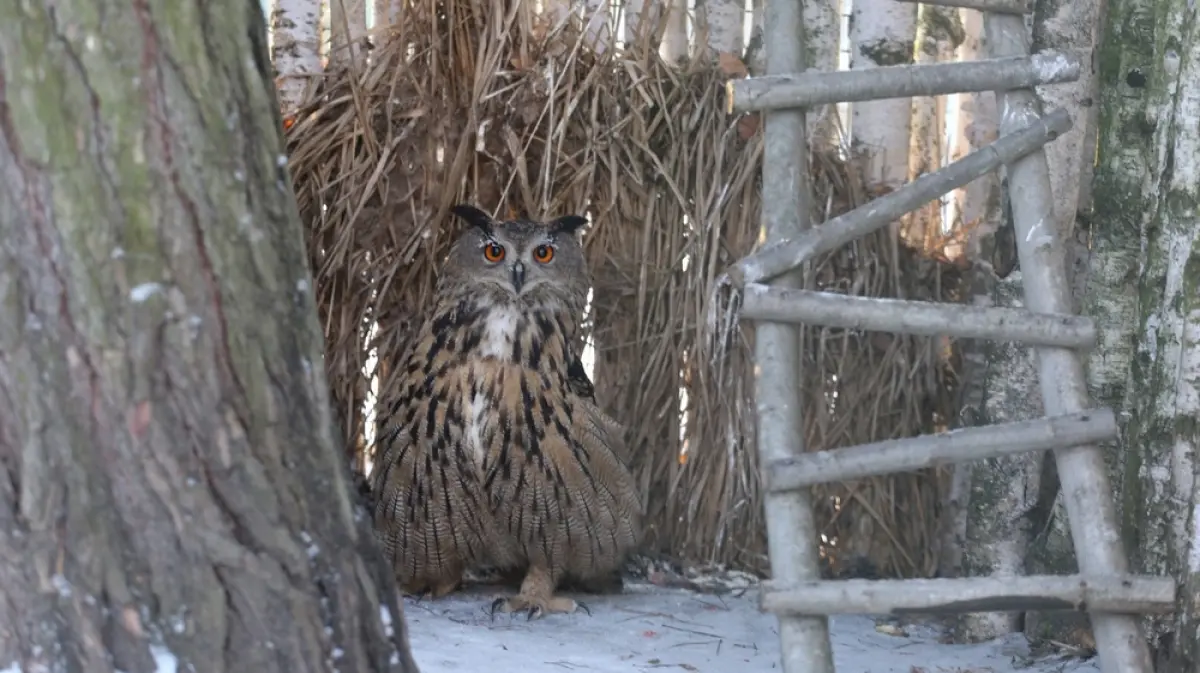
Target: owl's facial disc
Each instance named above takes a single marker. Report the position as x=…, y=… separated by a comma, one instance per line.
x=517, y=273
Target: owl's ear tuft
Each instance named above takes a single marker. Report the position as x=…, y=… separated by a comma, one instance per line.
x=474, y=217
x=567, y=224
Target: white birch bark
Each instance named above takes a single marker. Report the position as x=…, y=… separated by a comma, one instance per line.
x=976, y=211
x=675, y=37
x=296, y=48
x=387, y=12
x=641, y=19
x=1002, y=489
x=348, y=25
x=719, y=25
x=1070, y=25
x=882, y=32
x=939, y=32
x=1163, y=433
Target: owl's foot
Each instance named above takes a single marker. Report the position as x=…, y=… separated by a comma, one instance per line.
x=536, y=607
x=431, y=591
x=537, y=598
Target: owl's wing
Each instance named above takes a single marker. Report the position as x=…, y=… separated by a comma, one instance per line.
x=428, y=505
x=578, y=381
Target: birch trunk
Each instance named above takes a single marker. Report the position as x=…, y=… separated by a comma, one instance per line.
x=675, y=45
x=976, y=210
x=387, y=12
x=1003, y=490
x=882, y=33
x=939, y=32
x=1150, y=131
x=348, y=26
x=295, y=48
x=822, y=40
x=719, y=24
x=170, y=486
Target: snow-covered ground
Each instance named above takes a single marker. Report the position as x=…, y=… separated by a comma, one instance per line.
x=650, y=628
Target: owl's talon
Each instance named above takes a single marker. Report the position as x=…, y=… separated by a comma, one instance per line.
x=583, y=606
x=534, y=612
x=496, y=605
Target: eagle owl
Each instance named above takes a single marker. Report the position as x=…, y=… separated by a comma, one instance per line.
x=496, y=452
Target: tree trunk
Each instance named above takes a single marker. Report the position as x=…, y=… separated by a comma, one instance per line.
x=295, y=48
x=939, y=32
x=1147, y=178
x=881, y=34
x=170, y=488
x=348, y=26
x=1146, y=187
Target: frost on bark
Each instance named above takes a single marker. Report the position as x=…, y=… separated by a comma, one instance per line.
x=170, y=487
x=295, y=48
x=881, y=34
x=939, y=32
x=1148, y=176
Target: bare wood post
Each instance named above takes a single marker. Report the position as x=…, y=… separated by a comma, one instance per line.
x=775, y=92
x=1128, y=594
x=779, y=256
x=929, y=318
x=1086, y=487
x=786, y=206
x=954, y=446
x=1018, y=7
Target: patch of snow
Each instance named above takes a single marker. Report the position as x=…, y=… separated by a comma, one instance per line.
x=164, y=660
x=144, y=291
x=649, y=627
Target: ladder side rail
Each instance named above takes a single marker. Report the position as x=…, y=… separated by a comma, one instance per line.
x=804, y=642
x=1085, y=484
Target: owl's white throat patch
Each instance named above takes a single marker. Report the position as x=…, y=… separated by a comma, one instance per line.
x=500, y=332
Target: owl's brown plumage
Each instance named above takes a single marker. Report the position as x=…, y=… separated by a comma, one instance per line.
x=497, y=453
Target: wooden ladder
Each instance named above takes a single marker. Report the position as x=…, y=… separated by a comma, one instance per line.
x=1104, y=588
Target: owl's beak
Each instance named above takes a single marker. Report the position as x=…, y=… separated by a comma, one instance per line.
x=518, y=276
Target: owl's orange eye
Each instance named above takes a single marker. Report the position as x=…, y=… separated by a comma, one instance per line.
x=493, y=252
x=543, y=253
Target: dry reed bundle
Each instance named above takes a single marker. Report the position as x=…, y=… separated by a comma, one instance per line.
x=487, y=103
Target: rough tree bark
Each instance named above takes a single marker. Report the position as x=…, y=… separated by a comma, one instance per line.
x=1148, y=180
x=170, y=488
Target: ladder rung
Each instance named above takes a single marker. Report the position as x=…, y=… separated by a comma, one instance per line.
x=776, y=92
x=778, y=258
x=830, y=309
x=1130, y=594
x=993, y=6
x=954, y=446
